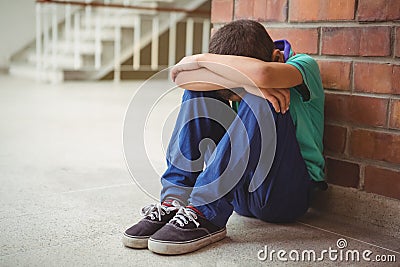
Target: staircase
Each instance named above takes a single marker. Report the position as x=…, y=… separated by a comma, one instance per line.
x=84, y=41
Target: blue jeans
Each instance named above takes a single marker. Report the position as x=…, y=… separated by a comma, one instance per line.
x=205, y=151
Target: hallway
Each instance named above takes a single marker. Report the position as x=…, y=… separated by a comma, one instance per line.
x=67, y=196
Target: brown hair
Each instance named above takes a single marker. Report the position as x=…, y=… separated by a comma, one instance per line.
x=246, y=38
x=242, y=38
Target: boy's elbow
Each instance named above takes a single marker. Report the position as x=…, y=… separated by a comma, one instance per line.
x=179, y=81
x=182, y=82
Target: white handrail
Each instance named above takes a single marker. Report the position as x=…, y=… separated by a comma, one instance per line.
x=68, y=25
x=54, y=36
x=97, y=41
x=45, y=38
x=189, y=36
x=117, y=53
x=136, y=43
x=172, y=40
x=206, y=35
x=77, y=27
x=89, y=36
x=88, y=15
x=38, y=41
x=154, y=43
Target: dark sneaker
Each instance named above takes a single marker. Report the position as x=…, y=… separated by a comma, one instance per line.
x=186, y=232
x=156, y=216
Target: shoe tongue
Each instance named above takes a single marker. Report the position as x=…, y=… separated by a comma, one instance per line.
x=195, y=210
x=171, y=203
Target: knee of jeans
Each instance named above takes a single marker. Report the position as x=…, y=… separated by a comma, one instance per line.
x=259, y=104
x=188, y=94
x=191, y=94
x=251, y=99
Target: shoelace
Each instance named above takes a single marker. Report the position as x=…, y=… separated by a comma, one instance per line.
x=156, y=211
x=184, y=216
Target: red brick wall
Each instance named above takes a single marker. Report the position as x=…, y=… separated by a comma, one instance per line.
x=357, y=46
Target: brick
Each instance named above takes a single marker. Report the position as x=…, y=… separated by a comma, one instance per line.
x=368, y=110
x=270, y=10
x=356, y=41
x=396, y=80
x=394, y=121
x=335, y=74
x=373, y=78
x=244, y=9
x=397, y=48
x=261, y=10
x=375, y=41
x=342, y=173
x=341, y=41
x=378, y=10
x=358, y=110
x=334, y=138
x=381, y=181
x=375, y=145
x=221, y=11
x=327, y=10
x=336, y=107
x=302, y=40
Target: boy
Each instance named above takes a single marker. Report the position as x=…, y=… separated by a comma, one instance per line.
x=204, y=184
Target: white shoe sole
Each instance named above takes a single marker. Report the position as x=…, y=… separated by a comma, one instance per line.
x=175, y=248
x=134, y=241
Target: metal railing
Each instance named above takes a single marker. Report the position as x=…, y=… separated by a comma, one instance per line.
x=63, y=28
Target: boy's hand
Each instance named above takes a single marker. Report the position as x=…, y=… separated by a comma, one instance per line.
x=279, y=98
x=187, y=63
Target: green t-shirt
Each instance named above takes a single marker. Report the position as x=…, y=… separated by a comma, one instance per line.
x=307, y=111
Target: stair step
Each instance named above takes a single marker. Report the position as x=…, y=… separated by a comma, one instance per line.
x=67, y=47
x=106, y=34
x=108, y=19
x=63, y=60
x=112, y=21
x=125, y=12
x=29, y=71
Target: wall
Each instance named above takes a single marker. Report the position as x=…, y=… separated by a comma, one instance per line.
x=17, y=27
x=357, y=46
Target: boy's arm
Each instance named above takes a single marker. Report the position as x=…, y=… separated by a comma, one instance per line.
x=243, y=70
x=205, y=80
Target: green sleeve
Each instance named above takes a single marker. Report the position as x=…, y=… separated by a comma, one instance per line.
x=309, y=70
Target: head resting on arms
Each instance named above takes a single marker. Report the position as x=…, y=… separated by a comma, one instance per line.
x=246, y=38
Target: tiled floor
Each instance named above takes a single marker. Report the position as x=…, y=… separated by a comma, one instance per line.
x=66, y=194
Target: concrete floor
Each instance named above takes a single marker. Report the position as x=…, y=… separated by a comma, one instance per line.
x=66, y=194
